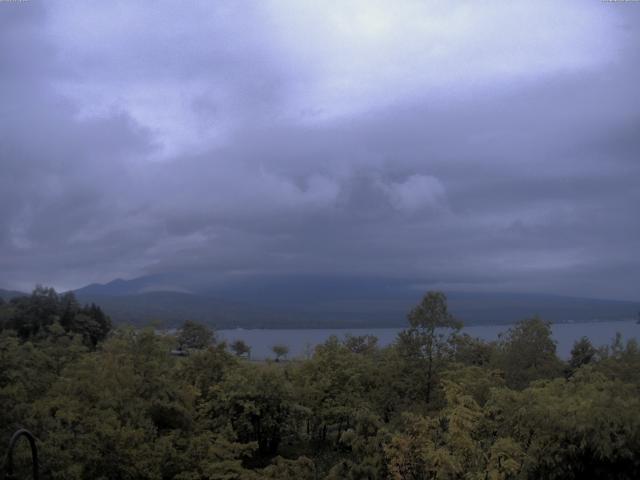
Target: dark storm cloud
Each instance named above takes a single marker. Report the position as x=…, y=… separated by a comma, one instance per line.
x=137, y=140
x=58, y=172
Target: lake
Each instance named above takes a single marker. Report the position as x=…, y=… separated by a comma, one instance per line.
x=302, y=341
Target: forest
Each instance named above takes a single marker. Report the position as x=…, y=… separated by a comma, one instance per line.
x=123, y=403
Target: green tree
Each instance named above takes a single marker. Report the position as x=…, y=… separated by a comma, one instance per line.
x=92, y=323
x=193, y=335
x=258, y=402
x=32, y=316
x=25, y=375
x=361, y=343
x=621, y=361
x=205, y=369
x=240, y=348
x=34, y=312
x=528, y=352
x=281, y=351
x=473, y=351
x=586, y=426
x=281, y=468
x=582, y=353
x=128, y=412
x=362, y=449
x=430, y=336
x=335, y=387
x=445, y=446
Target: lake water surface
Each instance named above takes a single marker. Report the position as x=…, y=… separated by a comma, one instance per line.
x=302, y=341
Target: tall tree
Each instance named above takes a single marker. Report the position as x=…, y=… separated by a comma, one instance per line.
x=431, y=333
x=528, y=352
x=583, y=352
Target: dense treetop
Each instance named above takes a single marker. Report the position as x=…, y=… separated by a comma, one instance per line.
x=33, y=316
x=436, y=404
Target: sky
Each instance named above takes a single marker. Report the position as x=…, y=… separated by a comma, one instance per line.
x=468, y=145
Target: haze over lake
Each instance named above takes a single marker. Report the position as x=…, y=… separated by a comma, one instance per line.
x=302, y=341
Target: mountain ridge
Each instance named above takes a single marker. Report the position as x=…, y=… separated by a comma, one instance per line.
x=9, y=294
x=306, y=301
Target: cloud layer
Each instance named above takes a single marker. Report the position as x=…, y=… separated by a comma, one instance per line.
x=470, y=145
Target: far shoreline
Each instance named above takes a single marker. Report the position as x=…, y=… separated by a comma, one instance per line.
x=382, y=327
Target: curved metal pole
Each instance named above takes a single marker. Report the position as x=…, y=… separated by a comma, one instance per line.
x=8, y=463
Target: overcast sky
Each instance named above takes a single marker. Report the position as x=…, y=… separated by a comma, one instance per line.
x=473, y=145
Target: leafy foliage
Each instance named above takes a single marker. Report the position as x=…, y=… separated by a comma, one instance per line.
x=281, y=351
x=435, y=405
x=528, y=352
x=34, y=315
x=194, y=335
x=430, y=337
x=240, y=348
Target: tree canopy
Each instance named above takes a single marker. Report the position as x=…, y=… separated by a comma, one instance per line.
x=194, y=335
x=123, y=408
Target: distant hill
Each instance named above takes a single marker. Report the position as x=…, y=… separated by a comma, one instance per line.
x=305, y=301
x=170, y=309
x=9, y=294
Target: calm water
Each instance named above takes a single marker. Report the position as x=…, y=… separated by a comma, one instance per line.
x=300, y=342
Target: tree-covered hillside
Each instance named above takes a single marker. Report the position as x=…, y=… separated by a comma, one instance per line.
x=7, y=295
x=437, y=404
x=317, y=301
